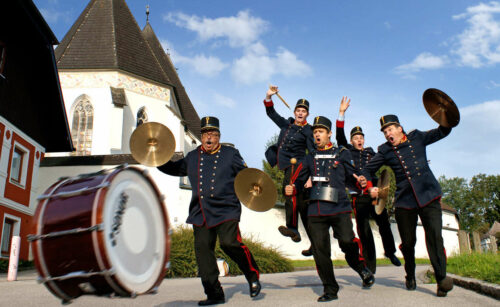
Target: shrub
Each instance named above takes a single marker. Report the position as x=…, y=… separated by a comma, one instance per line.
x=183, y=260
x=21, y=266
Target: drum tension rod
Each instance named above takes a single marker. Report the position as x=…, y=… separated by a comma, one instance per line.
x=78, y=274
x=97, y=227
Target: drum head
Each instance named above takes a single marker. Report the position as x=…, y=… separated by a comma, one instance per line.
x=134, y=230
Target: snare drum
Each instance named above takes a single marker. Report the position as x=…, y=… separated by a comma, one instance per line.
x=105, y=233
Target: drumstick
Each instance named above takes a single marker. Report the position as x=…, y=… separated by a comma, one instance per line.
x=292, y=161
x=279, y=96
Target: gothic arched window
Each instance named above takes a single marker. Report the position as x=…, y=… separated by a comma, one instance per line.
x=81, y=131
x=142, y=116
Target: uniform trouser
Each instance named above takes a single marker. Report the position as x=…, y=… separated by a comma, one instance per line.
x=364, y=211
x=292, y=211
x=431, y=218
x=319, y=227
x=230, y=242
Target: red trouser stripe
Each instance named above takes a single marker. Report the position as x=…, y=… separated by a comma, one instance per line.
x=294, y=198
x=358, y=241
x=247, y=253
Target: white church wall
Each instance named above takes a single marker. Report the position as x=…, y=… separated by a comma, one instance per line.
x=264, y=227
x=157, y=111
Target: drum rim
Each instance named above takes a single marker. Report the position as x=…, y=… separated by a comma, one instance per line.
x=99, y=237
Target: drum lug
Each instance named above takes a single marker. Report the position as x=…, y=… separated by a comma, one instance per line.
x=133, y=294
x=162, y=197
x=145, y=172
x=153, y=291
x=66, y=302
x=167, y=266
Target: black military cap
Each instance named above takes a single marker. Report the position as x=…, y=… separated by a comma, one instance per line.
x=302, y=103
x=209, y=123
x=387, y=120
x=357, y=130
x=322, y=122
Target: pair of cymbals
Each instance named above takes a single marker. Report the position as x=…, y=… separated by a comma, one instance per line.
x=383, y=185
x=441, y=107
x=152, y=144
x=255, y=189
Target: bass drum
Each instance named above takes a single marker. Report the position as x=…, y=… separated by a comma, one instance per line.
x=105, y=233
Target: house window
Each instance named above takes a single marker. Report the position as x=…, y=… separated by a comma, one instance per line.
x=7, y=232
x=16, y=169
x=2, y=58
x=81, y=131
x=142, y=116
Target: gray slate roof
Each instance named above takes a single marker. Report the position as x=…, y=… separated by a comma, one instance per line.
x=107, y=36
x=189, y=114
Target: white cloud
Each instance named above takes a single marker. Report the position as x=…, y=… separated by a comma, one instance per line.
x=387, y=25
x=424, y=60
x=240, y=30
x=51, y=15
x=224, y=101
x=208, y=66
x=494, y=84
x=479, y=44
x=257, y=65
x=472, y=143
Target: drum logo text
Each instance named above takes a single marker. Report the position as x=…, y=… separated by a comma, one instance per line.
x=117, y=219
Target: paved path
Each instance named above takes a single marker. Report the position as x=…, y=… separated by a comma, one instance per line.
x=285, y=289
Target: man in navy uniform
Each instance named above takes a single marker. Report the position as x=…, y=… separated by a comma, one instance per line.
x=362, y=203
x=215, y=210
x=330, y=168
x=294, y=138
x=418, y=194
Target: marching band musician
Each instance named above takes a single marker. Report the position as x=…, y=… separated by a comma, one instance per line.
x=215, y=210
x=330, y=169
x=418, y=194
x=362, y=203
x=294, y=138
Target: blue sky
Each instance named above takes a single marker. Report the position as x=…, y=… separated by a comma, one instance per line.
x=382, y=54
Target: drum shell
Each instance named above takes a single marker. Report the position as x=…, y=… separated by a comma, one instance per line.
x=81, y=252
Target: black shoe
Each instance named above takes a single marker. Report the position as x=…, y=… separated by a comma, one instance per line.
x=255, y=288
x=326, y=297
x=367, y=277
x=394, y=260
x=444, y=286
x=212, y=301
x=411, y=283
x=287, y=232
x=307, y=252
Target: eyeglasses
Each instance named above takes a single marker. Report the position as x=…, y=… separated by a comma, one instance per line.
x=211, y=133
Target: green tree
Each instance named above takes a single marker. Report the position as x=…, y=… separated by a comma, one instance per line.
x=276, y=175
x=477, y=202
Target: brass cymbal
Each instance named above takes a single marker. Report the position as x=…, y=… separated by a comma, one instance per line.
x=255, y=189
x=441, y=107
x=152, y=144
x=383, y=185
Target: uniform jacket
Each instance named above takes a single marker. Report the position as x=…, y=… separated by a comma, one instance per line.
x=360, y=157
x=339, y=169
x=415, y=182
x=292, y=140
x=212, y=180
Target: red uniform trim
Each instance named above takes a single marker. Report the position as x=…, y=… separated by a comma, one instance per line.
x=268, y=103
x=358, y=241
x=340, y=123
x=247, y=253
x=328, y=146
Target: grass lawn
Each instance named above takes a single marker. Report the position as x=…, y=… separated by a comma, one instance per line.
x=342, y=263
x=479, y=266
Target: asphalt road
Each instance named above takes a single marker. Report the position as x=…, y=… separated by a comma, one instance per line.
x=285, y=289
